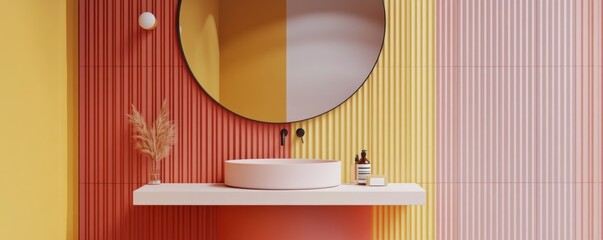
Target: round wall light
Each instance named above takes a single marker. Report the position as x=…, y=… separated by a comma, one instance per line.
x=147, y=21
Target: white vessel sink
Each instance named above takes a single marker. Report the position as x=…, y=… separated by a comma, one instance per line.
x=282, y=174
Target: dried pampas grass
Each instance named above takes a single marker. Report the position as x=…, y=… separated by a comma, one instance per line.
x=155, y=142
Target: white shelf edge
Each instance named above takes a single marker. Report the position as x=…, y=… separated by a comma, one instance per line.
x=217, y=194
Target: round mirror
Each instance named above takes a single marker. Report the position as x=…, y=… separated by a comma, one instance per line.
x=281, y=60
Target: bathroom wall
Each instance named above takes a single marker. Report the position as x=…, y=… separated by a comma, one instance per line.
x=509, y=96
x=493, y=107
x=393, y=117
x=36, y=98
x=519, y=88
x=121, y=64
x=130, y=65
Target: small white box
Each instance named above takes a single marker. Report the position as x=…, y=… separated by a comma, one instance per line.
x=376, y=180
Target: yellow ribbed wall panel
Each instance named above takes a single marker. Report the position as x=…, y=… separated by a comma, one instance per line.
x=393, y=117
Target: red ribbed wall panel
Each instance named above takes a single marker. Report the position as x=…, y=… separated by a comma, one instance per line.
x=121, y=64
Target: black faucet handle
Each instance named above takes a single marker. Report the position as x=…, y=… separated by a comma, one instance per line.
x=284, y=133
x=300, y=132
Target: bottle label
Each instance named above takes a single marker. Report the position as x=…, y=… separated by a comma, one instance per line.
x=363, y=171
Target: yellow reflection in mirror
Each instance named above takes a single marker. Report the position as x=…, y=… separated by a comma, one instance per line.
x=238, y=54
x=201, y=26
x=253, y=60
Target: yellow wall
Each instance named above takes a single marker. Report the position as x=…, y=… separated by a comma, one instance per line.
x=253, y=58
x=34, y=132
x=199, y=38
x=393, y=117
x=72, y=120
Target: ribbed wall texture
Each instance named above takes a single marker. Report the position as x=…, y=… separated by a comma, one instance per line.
x=519, y=119
x=393, y=117
x=494, y=107
x=121, y=64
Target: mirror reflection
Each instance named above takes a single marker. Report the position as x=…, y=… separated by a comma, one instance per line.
x=281, y=60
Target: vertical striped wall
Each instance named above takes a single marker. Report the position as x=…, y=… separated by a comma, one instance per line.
x=121, y=64
x=393, y=117
x=494, y=107
x=519, y=119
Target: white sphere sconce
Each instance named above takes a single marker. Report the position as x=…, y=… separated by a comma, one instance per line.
x=147, y=21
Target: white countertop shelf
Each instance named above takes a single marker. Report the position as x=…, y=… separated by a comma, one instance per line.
x=217, y=194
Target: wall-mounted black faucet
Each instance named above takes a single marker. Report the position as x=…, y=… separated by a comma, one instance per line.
x=284, y=134
x=300, y=132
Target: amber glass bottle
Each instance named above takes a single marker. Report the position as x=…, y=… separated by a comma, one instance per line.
x=363, y=168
